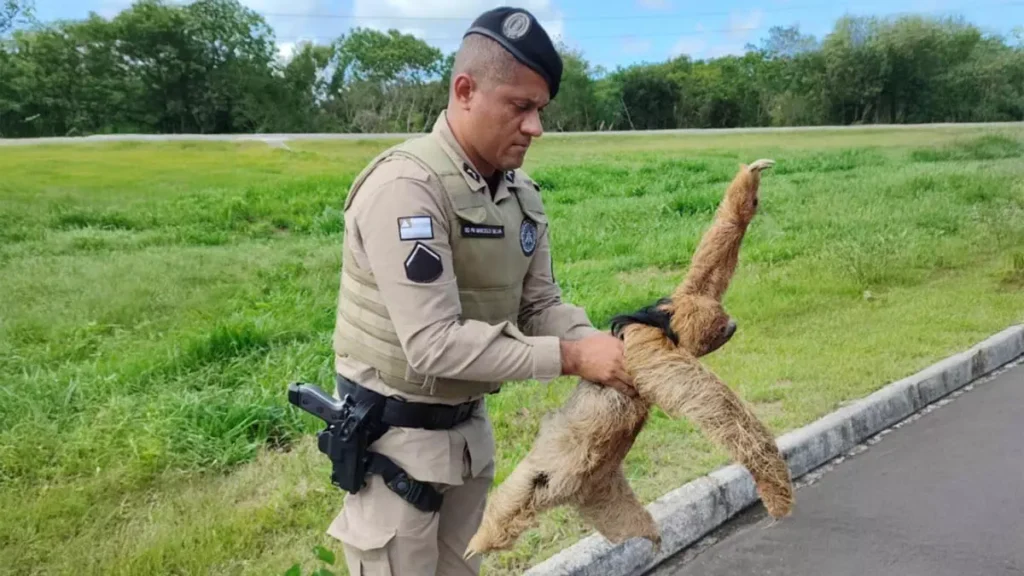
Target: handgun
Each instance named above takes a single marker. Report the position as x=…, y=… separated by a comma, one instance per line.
x=347, y=435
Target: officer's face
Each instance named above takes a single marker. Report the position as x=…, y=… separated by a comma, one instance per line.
x=506, y=118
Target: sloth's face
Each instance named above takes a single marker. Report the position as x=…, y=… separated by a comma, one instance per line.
x=703, y=325
x=723, y=331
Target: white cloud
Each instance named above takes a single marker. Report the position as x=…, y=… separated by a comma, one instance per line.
x=689, y=46
x=291, y=20
x=282, y=6
x=285, y=49
x=654, y=4
x=636, y=46
x=692, y=45
x=442, y=22
x=743, y=25
x=439, y=22
x=929, y=5
x=719, y=50
x=111, y=8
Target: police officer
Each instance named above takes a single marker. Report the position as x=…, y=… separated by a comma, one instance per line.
x=446, y=292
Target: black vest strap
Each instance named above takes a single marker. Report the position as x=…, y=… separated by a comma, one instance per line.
x=651, y=315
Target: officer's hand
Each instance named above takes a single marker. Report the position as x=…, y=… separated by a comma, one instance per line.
x=598, y=358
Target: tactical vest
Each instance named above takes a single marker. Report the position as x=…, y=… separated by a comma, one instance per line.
x=490, y=271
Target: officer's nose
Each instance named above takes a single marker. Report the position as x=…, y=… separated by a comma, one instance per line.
x=532, y=124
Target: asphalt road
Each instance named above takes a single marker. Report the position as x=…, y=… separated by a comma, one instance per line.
x=940, y=496
x=279, y=138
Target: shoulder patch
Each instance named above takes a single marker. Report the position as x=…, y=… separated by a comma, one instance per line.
x=415, y=228
x=528, y=236
x=423, y=265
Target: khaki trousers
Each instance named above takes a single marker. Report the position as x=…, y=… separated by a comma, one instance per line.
x=383, y=535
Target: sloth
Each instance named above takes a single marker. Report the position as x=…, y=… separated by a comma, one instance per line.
x=576, y=459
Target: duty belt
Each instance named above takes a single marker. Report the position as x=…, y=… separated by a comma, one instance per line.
x=398, y=412
x=403, y=414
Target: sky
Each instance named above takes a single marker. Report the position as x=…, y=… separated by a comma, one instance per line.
x=609, y=33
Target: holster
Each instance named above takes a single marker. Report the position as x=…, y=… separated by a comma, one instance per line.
x=346, y=443
x=366, y=417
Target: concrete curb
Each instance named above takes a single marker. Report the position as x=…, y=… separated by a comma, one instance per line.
x=689, y=512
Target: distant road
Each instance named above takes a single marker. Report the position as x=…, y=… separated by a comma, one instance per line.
x=278, y=138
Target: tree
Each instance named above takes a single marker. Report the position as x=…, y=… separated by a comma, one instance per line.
x=203, y=64
x=382, y=77
x=856, y=69
x=648, y=98
x=302, y=91
x=15, y=12
x=211, y=66
x=576, y=106
x=374, y=56
x=786, y=42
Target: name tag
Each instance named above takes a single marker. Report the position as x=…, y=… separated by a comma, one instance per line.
x=482, y=231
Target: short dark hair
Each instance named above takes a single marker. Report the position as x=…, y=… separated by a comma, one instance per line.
x=485, y=60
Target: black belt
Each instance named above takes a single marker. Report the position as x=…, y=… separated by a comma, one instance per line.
x=403, y=414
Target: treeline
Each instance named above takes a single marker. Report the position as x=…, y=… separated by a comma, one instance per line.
x=211, y=66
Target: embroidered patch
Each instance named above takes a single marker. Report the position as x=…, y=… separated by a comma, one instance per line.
x=528, y=236
x=515, y=25
x=472, y=173
x=510, y=177
x=423, y=264
x=482, y=231
x=415, y=228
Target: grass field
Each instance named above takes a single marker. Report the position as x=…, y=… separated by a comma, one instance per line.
x=157, y=298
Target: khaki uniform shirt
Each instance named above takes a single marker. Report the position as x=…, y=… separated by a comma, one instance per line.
x=426, y=315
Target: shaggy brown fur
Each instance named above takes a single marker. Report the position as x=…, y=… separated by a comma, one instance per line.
x=577, y=457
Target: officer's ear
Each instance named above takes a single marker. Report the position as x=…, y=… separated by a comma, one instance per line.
x=464, y=87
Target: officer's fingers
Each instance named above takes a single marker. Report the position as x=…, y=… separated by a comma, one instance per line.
x=630, y=391
x=622, y=375
x=623, y=387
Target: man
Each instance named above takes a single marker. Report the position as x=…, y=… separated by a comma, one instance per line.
x=447, y=291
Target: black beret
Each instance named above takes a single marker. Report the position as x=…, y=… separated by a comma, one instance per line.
x=520, y=33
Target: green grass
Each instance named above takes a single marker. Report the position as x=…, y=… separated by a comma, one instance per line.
x=157, y=298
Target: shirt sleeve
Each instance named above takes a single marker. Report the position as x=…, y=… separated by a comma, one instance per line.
x=543, y=313
x=403, y=232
